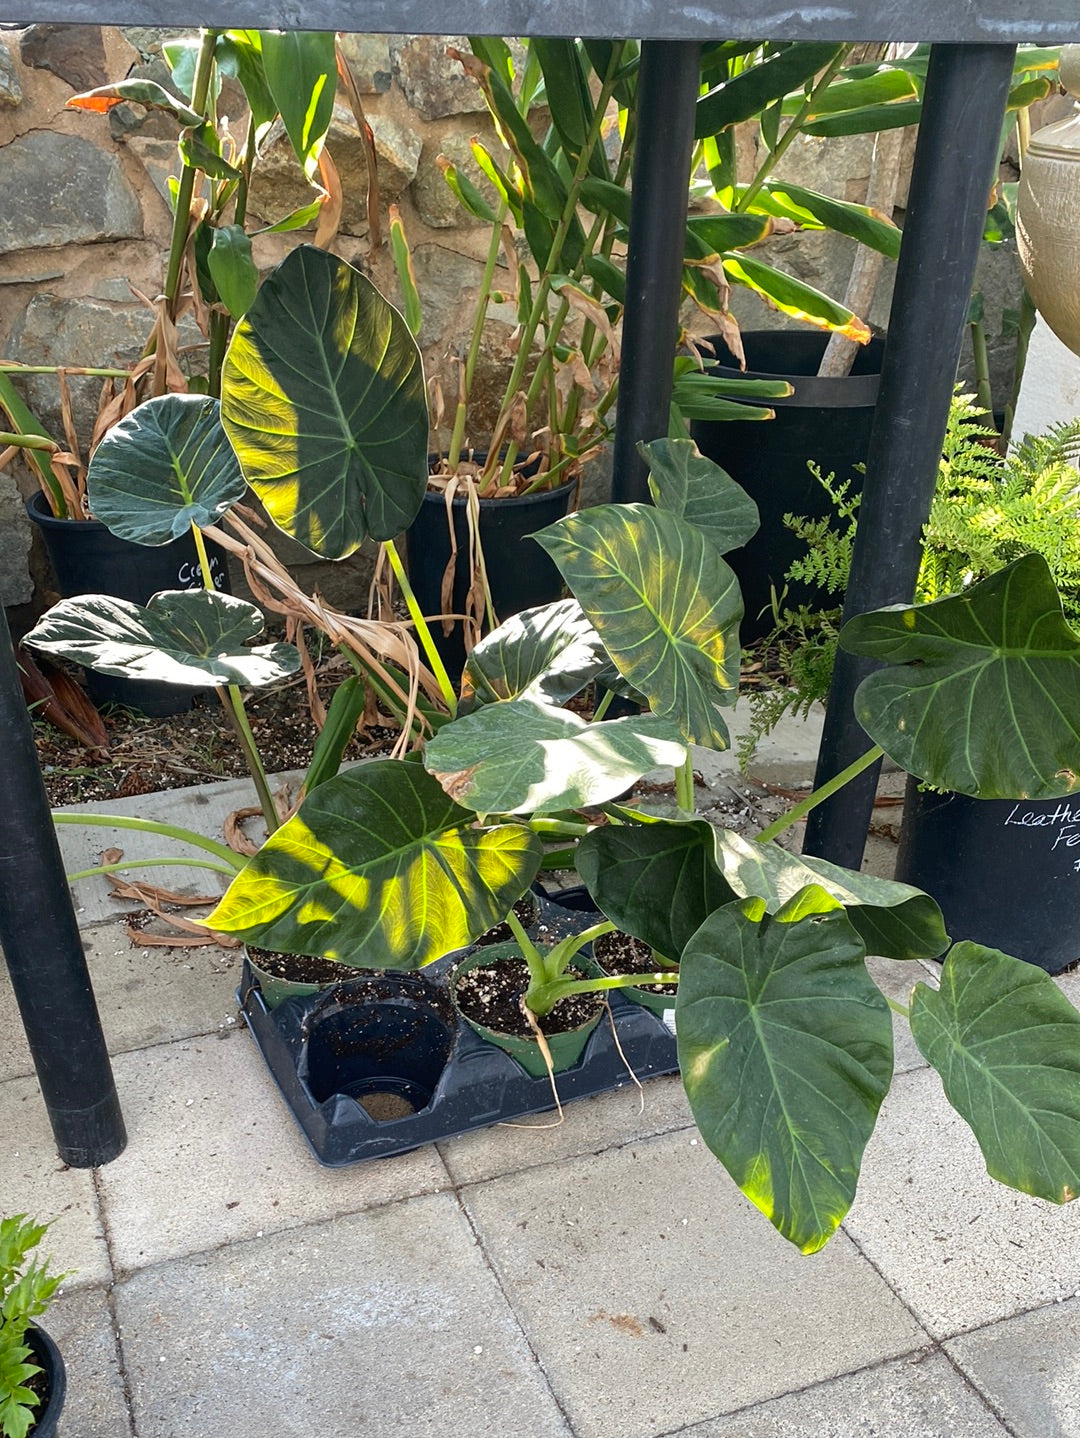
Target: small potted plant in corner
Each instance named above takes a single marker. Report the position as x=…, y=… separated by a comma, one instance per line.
x=33, y=1382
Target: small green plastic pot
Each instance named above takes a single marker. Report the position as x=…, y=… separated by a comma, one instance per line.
x=275, y=990
x=657, y=1004
x=566, y=1048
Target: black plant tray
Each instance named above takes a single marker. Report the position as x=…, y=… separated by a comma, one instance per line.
x=478, y=1085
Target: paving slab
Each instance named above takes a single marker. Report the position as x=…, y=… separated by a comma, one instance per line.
x=202, y=809
x=214, y=1156
x=385, y=1323
x=145, y=995
x=589, y=1126
x=896, y=979
x=82, y=1325
x=959, y=1249
x=33, y=1180
x=917, y=1397
x=655, y=1296
x=1029, y=1369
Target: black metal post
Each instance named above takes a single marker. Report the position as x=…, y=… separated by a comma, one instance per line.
x=666, y=96
x=40, y=939
x=966, y=89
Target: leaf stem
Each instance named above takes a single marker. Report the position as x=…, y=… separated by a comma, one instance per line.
x=744, y=200
x=155, y=826
x=684, y=783
x=186, y=187
x=152, y=864
x=819, y=796
x=434, y=658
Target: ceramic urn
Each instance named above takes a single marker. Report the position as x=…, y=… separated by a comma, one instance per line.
x=1048, y=215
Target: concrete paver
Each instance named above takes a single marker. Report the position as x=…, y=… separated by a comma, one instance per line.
x=214, y=1156
x=81, y=1323
x=959, y=1249
x=655, y=1296
x=144, y=995
x=589, y=1125
x=917, y=1397
x=34, y=1181
x=1029, y=1368
x=383, y=1323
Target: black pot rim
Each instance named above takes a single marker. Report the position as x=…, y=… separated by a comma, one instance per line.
x=37, y=507
x=521, y=501
x=812, y=391
x=47, y=1353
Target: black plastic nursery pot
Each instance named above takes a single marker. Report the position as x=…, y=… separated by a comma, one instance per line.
x=88, y=558
x=519, y=572
x=44, y=1352
x=383, y=1064
x=826, y=421
x=1006, y=872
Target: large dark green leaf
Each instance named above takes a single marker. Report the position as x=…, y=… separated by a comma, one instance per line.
x=664, y=603
x=626, y=867
x=685, y=483
x=785, y=1047
x=982, y=693
x=300, y=70
x=793, y=297
x=571, y=105
x=323, y=398
x=749, y=93
x=858, y=222
x=378, y=868
x=866, y=121
x=1006, y=1042
x=524, y=757
x=187, y=636
x=549, y=653
x=162, y=468
x=895, y=920
x=881, y=87
x=706, y=866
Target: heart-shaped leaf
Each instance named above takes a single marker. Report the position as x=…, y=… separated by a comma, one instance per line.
x=785, y=1047
x=626, y=866
x=549, y=653
x=323, y=399
x=686, y=484
x=1006, y=1042
x=702, y=867
x=524, y=757
x=378, y=868
x=982, y=695
x=664, y=603
x=184, y=636
x=162, y=468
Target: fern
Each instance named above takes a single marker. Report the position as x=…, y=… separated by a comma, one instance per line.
x=987, y=510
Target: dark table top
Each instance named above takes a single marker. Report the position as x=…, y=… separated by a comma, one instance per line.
x=1048, y=22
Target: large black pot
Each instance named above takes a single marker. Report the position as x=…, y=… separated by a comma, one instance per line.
x=87, y=558
x=826, y=420
x=1006, y=872
x=519, y=572
x=44, y=1352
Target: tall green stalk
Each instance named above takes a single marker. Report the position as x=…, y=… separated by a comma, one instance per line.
x=204, y=68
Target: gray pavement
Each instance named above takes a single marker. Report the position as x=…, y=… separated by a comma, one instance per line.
x=598, y=1279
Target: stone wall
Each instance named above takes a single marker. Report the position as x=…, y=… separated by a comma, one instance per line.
x=84, y=223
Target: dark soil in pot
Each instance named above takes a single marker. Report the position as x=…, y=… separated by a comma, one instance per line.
x=621, y=953
x=491, y=995
x=526, y=910
x=301, y=968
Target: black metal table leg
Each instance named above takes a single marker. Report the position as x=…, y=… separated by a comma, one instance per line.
x=966, y=90
x=667, y=94
x=40, y=939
